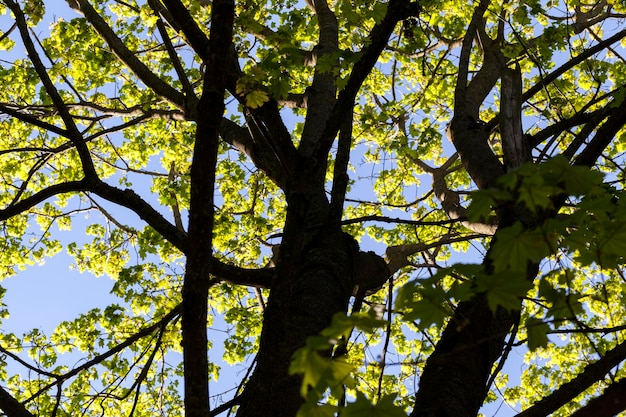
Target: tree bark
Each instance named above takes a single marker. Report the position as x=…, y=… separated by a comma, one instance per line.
x=453, y=383
x=610, y=403
x=199, y=256
x=454, y=380
x=313, y=283
x=315, y=268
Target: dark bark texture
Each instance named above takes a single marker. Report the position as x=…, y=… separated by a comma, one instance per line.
x=315, y=273
x=310, y=288
x=201, y=214
x=453, y=383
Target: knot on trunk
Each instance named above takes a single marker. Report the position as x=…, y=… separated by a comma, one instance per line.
x=371, y=273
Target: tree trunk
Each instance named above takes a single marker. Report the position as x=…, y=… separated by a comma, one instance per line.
x=201, y=214
x=315, y=274
x=454, y=380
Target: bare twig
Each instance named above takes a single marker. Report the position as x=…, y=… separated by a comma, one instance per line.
x=59, y=379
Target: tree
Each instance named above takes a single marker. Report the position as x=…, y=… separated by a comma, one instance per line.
x=294, y=137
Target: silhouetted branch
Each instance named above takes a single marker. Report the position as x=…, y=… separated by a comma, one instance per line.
x=603, y=137
x=571, y=64
x=120, y=50
x=379, y=36
x=385, y=219
x=592, y=373
x=19, y=114
x=197, y=38
x=59, y=379
x=11, y=407
x=71, y=128
x=23, y=205
x=610, y=403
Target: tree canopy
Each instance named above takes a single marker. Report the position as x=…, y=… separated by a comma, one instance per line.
x=389, y=208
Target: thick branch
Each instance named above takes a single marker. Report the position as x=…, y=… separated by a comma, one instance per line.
x=322, y=94
x=385, y=219
x=563, y=125
x=514, y=145
x=572, y=63
x=53, y=93
x=451, y=203
x=460, y=94
x=294, y=101
x=198, y=40
x=11, y=407
x=270, y=133
x=35, y=121
x=494, y=64
x=258, y=278
x=397, y=256
x=590, y=375
x=176, y=62
x=131, y=200
x=470, y=138
x=583, y=135
x=450, y=200
x=259, y=152
x=603, y=137
x=609, y=404
x=340, y=173
x=137, y=110
x=467, y=133
x=258, y=145
x=396, y=11
x=211, y=108
x=140, y=69
x=23, y=205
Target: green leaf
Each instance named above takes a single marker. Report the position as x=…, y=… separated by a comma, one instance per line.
x=256, y=98
x=430, y=309
x=340, y=373
x=362, y=407
x=319, y=372
x=577, y=180
x=311, y=365
x=562, y=303
x=514, y=247
x=612, y=244
x=309, y=409
x=536, y=196
x=35, y=9
x=279, y=88
x=342, y=324
x=537, y=332
x=481, y=206
x=505, y=289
